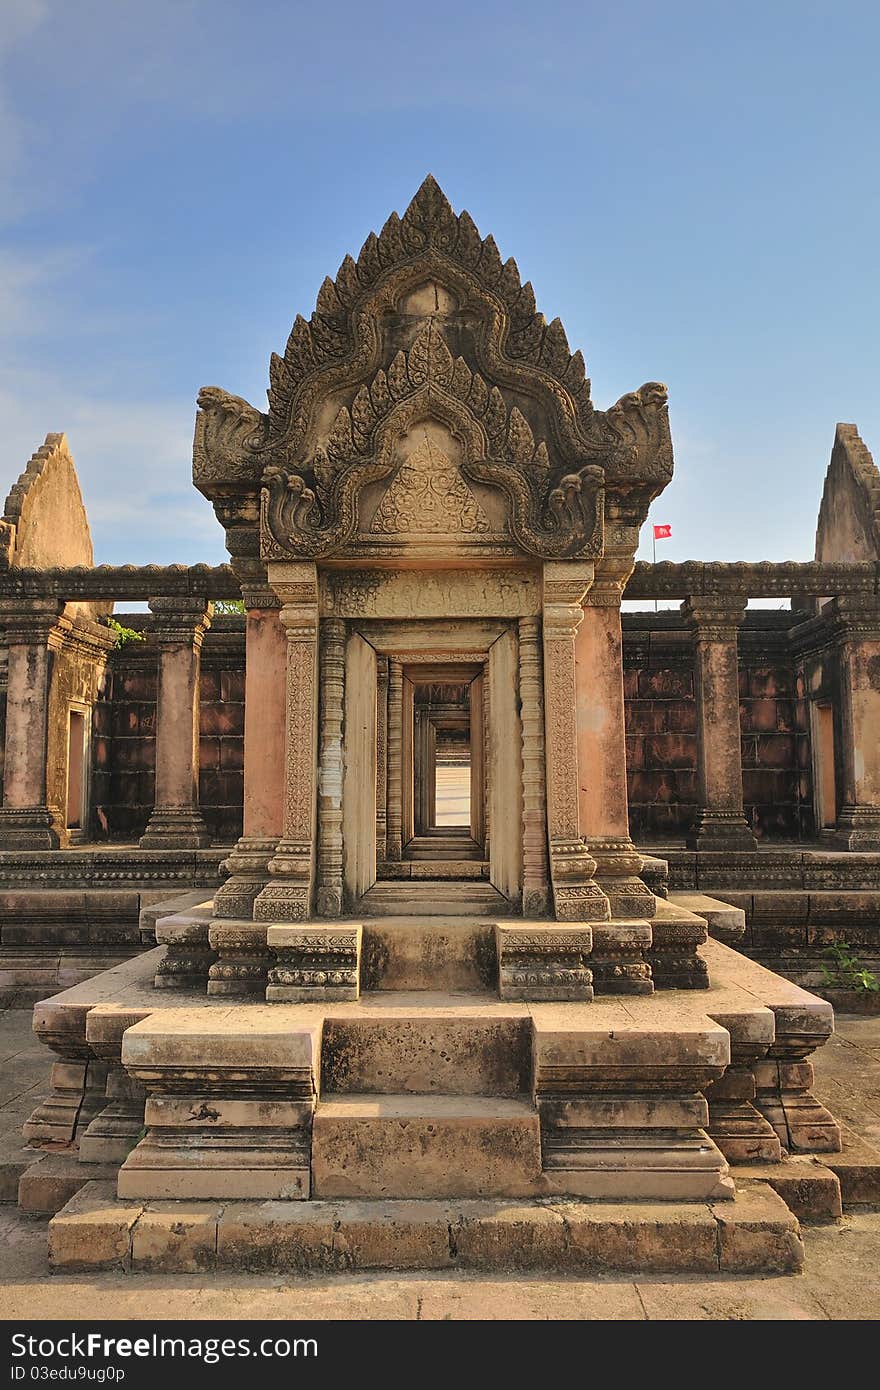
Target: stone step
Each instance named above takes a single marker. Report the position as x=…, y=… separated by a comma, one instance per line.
x=434, y=898
x=400, y=1146
x=427, y=1051
x=434, y=953
x=450, y=866
x=756, y=1234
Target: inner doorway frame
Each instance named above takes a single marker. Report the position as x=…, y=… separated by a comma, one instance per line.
x=487, y=652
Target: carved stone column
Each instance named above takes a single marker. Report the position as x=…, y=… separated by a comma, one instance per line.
x=394, y=843
x=381, y=757
x=329, y=903
x=34, y=630
x=857, y=631
x=536, y=886
x=601, y=745
x=265, y=669
x=288, y=896
x=176, y=822
x=720, y=821
x=576, y=895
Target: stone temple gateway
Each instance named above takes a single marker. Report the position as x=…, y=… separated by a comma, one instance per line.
x=394, y=1035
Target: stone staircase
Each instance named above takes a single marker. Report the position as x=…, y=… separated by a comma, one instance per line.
x=434, y=1125
x=426, y=1098
x=436, y=897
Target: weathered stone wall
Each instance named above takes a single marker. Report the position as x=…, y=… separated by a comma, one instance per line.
x=124, y=735
x=661, y=721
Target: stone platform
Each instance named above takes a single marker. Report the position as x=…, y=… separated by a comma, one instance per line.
x=388, y=1112
x=755, y=1234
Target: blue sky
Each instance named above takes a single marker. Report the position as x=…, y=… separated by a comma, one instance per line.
x=692, y=187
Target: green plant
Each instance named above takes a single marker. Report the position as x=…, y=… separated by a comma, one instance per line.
x=123, y=634
x=846, y=970
x=229, y=605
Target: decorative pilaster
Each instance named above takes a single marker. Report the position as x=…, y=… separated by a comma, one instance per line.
x=381, y=757
x=179, y=627
x=576, y=895
x=720, y=822
x=394, y=844
x=857, y=632
x=288, y=897
x=536, y=887
x=332, y=646
x=601, y=745
x=265, y=668
x=34, y=630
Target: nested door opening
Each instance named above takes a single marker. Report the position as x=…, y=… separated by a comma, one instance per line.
x=446, y=795
x=431, y=761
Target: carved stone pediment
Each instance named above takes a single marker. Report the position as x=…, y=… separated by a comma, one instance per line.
x=430, y=334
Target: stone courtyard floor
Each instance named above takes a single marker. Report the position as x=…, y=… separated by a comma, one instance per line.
x=841, y=1279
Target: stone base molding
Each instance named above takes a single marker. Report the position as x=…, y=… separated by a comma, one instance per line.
x=171, y=827
x=29, y=827
x=619, y=960
x=858, y=828
x=621, y=1109
x=188, y=952
x=243, y=958
x=618, y=869
x=674, y=957
x=537, y=960
x=229, y=1109
x=721, y=830
x=316, y=962
x=248, y=870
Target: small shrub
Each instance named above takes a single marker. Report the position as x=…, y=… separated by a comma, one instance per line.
x=123, y=634
x=846, y=970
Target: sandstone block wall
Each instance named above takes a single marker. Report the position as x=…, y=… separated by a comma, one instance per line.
x=124, y=735
x=661, y=723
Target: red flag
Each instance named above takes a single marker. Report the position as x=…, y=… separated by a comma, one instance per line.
x=663, y=533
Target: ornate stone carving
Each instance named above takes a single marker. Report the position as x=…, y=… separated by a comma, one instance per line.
x=548, y=515
x=315, y=963
x=544, y=962
x=576, y=896
x=535, y=869
x=243, y=958
x=381, y=757
x=332, y=648
x=428, y=496
x=619, y=958
x=288, y=898
x=394, y=840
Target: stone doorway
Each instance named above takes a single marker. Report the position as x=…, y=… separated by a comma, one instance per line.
x=432, y=759
x=447, y=765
